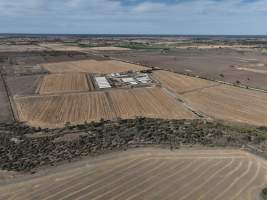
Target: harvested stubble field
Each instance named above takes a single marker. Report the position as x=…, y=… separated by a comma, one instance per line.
x=150, y=174
x=180, y=83
x=68, y=82
x=217, y=100
x=231, y=104
x=91, y=66
x=150, y=102
x=56, y=110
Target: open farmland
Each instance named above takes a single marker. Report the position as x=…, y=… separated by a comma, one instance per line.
x=23, y=85
x=248, y=67
x=180, y=83
x=152, y=102
x=55, y=110
x=219, y=101
x=150, y=174
x=91, y=66
x=68, y=82
x=230, y=103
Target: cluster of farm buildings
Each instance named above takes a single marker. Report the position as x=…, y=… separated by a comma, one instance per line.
x=129, y=79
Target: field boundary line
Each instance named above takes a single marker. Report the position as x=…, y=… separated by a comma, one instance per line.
x=199, y=89
x=180, y=100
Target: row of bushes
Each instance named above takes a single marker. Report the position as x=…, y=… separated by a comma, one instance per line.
x=24, y=148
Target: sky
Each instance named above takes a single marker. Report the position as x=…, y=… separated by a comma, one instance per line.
x=214, y=17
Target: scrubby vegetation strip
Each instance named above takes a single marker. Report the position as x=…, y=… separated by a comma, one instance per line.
x=23, y=148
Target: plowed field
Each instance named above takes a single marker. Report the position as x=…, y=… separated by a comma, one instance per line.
x=91, y=66
x=150, y=174
x=68, y=82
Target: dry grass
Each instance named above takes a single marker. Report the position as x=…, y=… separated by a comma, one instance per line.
x=180, y=83
x=231, y=104
x=69, y=82
x=55, y=110
x=150, y=174
x=91, y=66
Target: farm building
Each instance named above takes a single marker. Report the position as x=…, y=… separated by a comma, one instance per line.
x=123, y=80
x=102, y=82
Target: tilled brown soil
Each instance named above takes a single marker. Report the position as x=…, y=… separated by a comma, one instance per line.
x=149, y=174
x=23, y=85
x=220, y=64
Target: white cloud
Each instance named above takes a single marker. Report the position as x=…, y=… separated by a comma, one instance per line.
x=110, y=16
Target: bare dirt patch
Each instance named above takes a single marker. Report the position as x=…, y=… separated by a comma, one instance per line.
x=23, y=85
x=150, y=174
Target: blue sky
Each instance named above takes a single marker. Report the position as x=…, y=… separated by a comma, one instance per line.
x=134, y=16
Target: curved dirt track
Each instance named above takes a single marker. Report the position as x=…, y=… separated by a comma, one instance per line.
x=149, y=174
